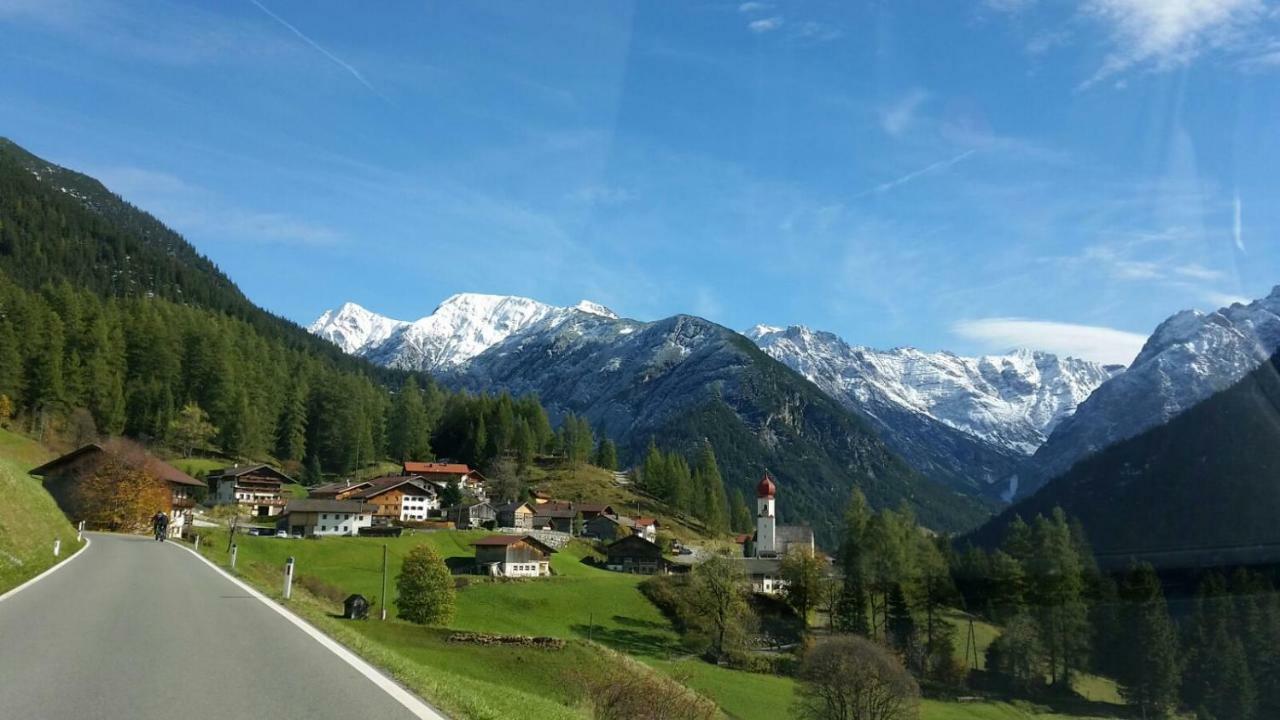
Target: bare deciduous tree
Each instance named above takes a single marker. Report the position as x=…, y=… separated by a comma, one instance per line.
x=847, y=677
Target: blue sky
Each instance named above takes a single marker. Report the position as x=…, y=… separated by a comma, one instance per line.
x=966, y=176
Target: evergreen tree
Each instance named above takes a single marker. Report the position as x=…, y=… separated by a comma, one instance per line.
x=742, y=519
x=291, y=443
x=408, y=435
x=851, y=608
x=1008, y=587
x=653, y=473
x=901, y=626
x=607, y=454
x=1148, y=672
x=713, y=504
x=1056, y=589
x=524, y=444
x=312, y=475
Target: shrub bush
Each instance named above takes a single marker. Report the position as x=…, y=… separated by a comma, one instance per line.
x=425, y=587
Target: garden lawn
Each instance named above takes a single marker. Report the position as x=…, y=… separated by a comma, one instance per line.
x=29, y=518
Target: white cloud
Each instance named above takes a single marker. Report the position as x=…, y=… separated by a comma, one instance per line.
x=600, y=195
x=191, y=209
x=814, y=31
x=1219, y=300
x=1166, y=33
x=765, y=25
x=1196, y=271
x=896, y=117
x=1008, y=6
x=751, y=7
x=1237, y=223
x=1091, y=342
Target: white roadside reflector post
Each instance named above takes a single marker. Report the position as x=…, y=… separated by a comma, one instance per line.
x=288, y=578
x=80, y=532
x=197, y=543
x=57, y=547
x=234, y=548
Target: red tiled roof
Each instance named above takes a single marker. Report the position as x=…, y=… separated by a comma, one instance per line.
x=435, y=467
x=646, y=521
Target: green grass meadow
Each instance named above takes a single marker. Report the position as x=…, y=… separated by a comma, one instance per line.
x=29, y=518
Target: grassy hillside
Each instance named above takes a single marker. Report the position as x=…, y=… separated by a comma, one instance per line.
x=580, y=603
x=29, y=519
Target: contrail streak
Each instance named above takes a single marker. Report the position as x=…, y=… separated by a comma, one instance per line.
x=339, y=61
x=935, y=167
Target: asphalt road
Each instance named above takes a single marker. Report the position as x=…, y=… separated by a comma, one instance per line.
x=139, y=630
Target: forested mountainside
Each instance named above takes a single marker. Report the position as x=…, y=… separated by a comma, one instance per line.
x=685, y=379
x=1201, y=488
x=58, y=225
x=1189, y=357
x=112, y=323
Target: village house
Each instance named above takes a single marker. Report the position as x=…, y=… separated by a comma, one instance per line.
x=557, y=519
x=608, y=528
x=513, y=556
x=635, y=554
x=61, y=476
x=257, y=488
x=471, y=515
x=647, y=527
x=322, y=518
x=515, y=514
x=397, y=497
x=471, y=482
x=540, y=496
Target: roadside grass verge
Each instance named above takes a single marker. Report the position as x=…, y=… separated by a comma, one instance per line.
x=29, y=518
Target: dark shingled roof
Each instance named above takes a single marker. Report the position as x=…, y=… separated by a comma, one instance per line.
x=350, y=506
x=236, y=471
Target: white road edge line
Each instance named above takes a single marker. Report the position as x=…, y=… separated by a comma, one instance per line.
x=46, y=573
x=411, y=702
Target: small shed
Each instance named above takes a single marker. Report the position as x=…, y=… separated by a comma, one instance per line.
x=355, y=607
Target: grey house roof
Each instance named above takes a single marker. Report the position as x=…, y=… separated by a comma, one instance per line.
x=325, y=506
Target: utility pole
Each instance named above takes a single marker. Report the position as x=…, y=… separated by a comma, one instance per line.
x=384, y=581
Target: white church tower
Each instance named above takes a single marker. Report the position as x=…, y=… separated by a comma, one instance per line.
x=766, y=521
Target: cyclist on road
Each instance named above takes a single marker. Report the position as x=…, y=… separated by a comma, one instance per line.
x=160, y=524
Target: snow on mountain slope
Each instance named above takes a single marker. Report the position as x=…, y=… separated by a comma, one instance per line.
x=1189, y=357
x=460, y=328
x=354, y=328
x=1011, y=401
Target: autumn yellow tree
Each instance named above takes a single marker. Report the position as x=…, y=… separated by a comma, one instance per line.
x=119, y=496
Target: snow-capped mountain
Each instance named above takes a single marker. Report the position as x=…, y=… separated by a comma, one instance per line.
x=1189, y=357
x=354, y=328
x=1013, y=401
x=462, y=327
x=970, y=420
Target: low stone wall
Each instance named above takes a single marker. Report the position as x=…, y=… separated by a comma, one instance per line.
x=552, y=538
x=542, y=643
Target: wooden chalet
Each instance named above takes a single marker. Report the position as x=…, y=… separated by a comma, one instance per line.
x=256, y=487
x=397, y=497
x=513, y=556
x=442, y=473
x=472, y=515
x=515, y=514
x=61, y=476
x=634, y=554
